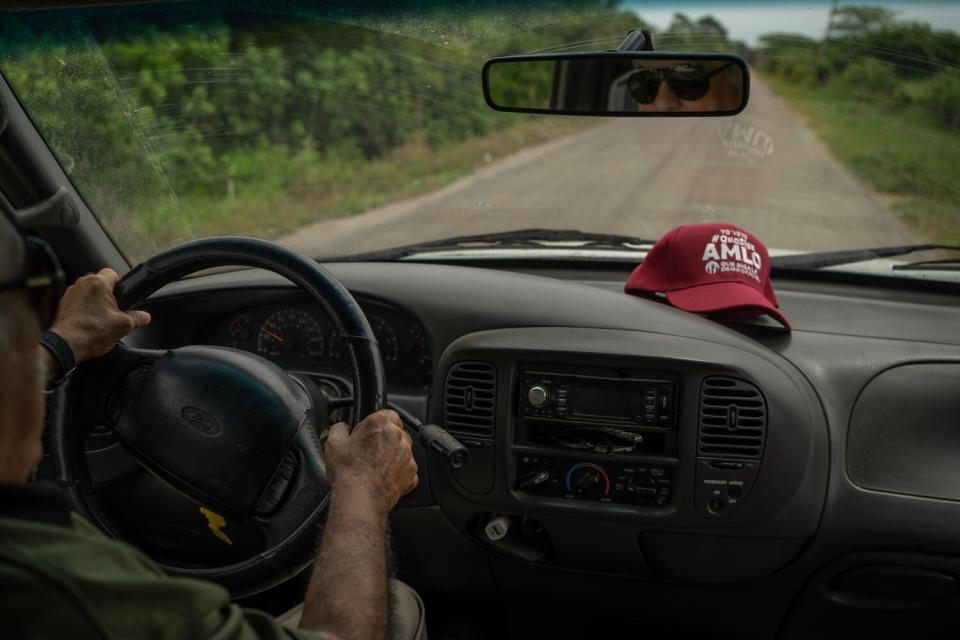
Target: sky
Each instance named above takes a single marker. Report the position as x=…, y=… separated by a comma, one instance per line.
x=747, y=19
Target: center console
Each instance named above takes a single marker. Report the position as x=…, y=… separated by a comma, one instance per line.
x=625, y=452
x=584, y=436
x=614, y=448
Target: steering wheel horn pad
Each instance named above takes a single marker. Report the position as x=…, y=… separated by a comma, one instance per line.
x=215, y=423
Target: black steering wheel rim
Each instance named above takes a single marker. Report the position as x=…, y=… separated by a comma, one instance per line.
x=297, y=548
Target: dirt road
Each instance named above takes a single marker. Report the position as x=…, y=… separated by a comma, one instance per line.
x=763, y=170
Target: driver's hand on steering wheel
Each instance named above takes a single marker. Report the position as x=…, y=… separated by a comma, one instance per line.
x=88, y=317
x=376, y=456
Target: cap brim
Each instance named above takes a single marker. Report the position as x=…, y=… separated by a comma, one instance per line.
x=718, y=297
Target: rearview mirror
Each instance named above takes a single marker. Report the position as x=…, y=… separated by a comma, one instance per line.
x=636, y=83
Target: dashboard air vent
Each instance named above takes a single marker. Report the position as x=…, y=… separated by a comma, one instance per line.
x=733, y=419
x=470, y=399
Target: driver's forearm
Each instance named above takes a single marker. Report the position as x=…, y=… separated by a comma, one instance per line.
x=347, y=596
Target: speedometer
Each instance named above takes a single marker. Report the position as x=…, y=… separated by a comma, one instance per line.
x=290, y=334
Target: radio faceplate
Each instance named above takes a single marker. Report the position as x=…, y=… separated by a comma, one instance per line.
x=642, y=401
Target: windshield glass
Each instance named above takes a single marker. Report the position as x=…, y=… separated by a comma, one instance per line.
x=347, y=129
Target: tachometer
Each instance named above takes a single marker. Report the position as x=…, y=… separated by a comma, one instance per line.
x=291, y=334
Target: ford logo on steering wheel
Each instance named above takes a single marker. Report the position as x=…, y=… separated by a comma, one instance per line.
x=201, y=420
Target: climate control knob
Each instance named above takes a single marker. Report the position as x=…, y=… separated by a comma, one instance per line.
x=538, y=395
x=588, y=480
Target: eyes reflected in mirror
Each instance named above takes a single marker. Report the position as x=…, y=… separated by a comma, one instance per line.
x=683, y=87
x=618, y=84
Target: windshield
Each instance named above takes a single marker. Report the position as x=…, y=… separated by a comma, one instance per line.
x=357, y=128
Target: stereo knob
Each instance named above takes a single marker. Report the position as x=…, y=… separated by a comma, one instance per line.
x=538, y=396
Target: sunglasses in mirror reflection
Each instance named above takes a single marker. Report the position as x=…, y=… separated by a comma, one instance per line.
x=618, y=84
x=685, y=86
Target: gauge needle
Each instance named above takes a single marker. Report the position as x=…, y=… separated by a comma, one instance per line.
x=271, y=334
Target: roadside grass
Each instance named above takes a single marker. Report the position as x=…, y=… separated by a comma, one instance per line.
x=902, y=152
x=293, y=189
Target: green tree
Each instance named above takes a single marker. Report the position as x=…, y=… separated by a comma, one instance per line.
x=858, y=21
x=941, y=98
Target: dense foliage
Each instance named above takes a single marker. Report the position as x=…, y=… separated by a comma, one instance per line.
x=200, y=118
x=870, y=53
x=884, y=94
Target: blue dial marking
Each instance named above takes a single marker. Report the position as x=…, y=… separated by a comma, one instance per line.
x=592, y=466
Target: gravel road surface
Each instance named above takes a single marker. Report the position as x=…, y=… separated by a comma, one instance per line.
x=764, y=170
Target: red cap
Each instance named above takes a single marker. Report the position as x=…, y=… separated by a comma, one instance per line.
x=709, y=268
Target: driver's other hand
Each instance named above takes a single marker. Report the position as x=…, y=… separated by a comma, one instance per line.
x=376, y=456
x=88, y=317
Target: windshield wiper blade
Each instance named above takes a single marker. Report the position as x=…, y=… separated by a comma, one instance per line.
x=947, y=264
x=521, y=236
x=822, y=259
x=506, y=239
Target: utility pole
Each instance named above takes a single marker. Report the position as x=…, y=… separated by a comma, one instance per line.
x=822, y=75
x=833, y=11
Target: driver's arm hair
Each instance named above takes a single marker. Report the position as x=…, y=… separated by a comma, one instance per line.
x=348, y=592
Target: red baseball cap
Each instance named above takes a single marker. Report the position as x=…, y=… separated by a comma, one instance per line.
x=709, y=268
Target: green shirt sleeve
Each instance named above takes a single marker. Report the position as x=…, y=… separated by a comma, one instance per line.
x=77, y=583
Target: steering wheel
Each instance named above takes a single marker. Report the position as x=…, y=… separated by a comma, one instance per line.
x=226, y=428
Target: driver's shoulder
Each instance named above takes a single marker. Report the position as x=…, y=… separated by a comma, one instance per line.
x=69, y=579
x=34, y=606
x=38, y=527
x=73, y=548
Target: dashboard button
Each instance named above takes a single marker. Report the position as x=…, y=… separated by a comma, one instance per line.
x=726, y=464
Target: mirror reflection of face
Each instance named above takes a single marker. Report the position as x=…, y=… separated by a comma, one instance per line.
x=661, y=86
x=618, y=85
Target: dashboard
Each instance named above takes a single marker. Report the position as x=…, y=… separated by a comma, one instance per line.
x=624, y=454
x=298, y=336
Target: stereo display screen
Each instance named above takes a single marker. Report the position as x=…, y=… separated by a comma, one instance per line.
x=600, y=401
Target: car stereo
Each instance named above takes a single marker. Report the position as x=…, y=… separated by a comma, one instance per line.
x=642, y=402
x=597, y=437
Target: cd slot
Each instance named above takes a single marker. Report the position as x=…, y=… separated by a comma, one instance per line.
x=597, y=439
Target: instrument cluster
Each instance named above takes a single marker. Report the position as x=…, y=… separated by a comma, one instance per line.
x=300, y=337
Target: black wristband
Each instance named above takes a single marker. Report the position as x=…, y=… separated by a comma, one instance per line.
x=62, y=353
